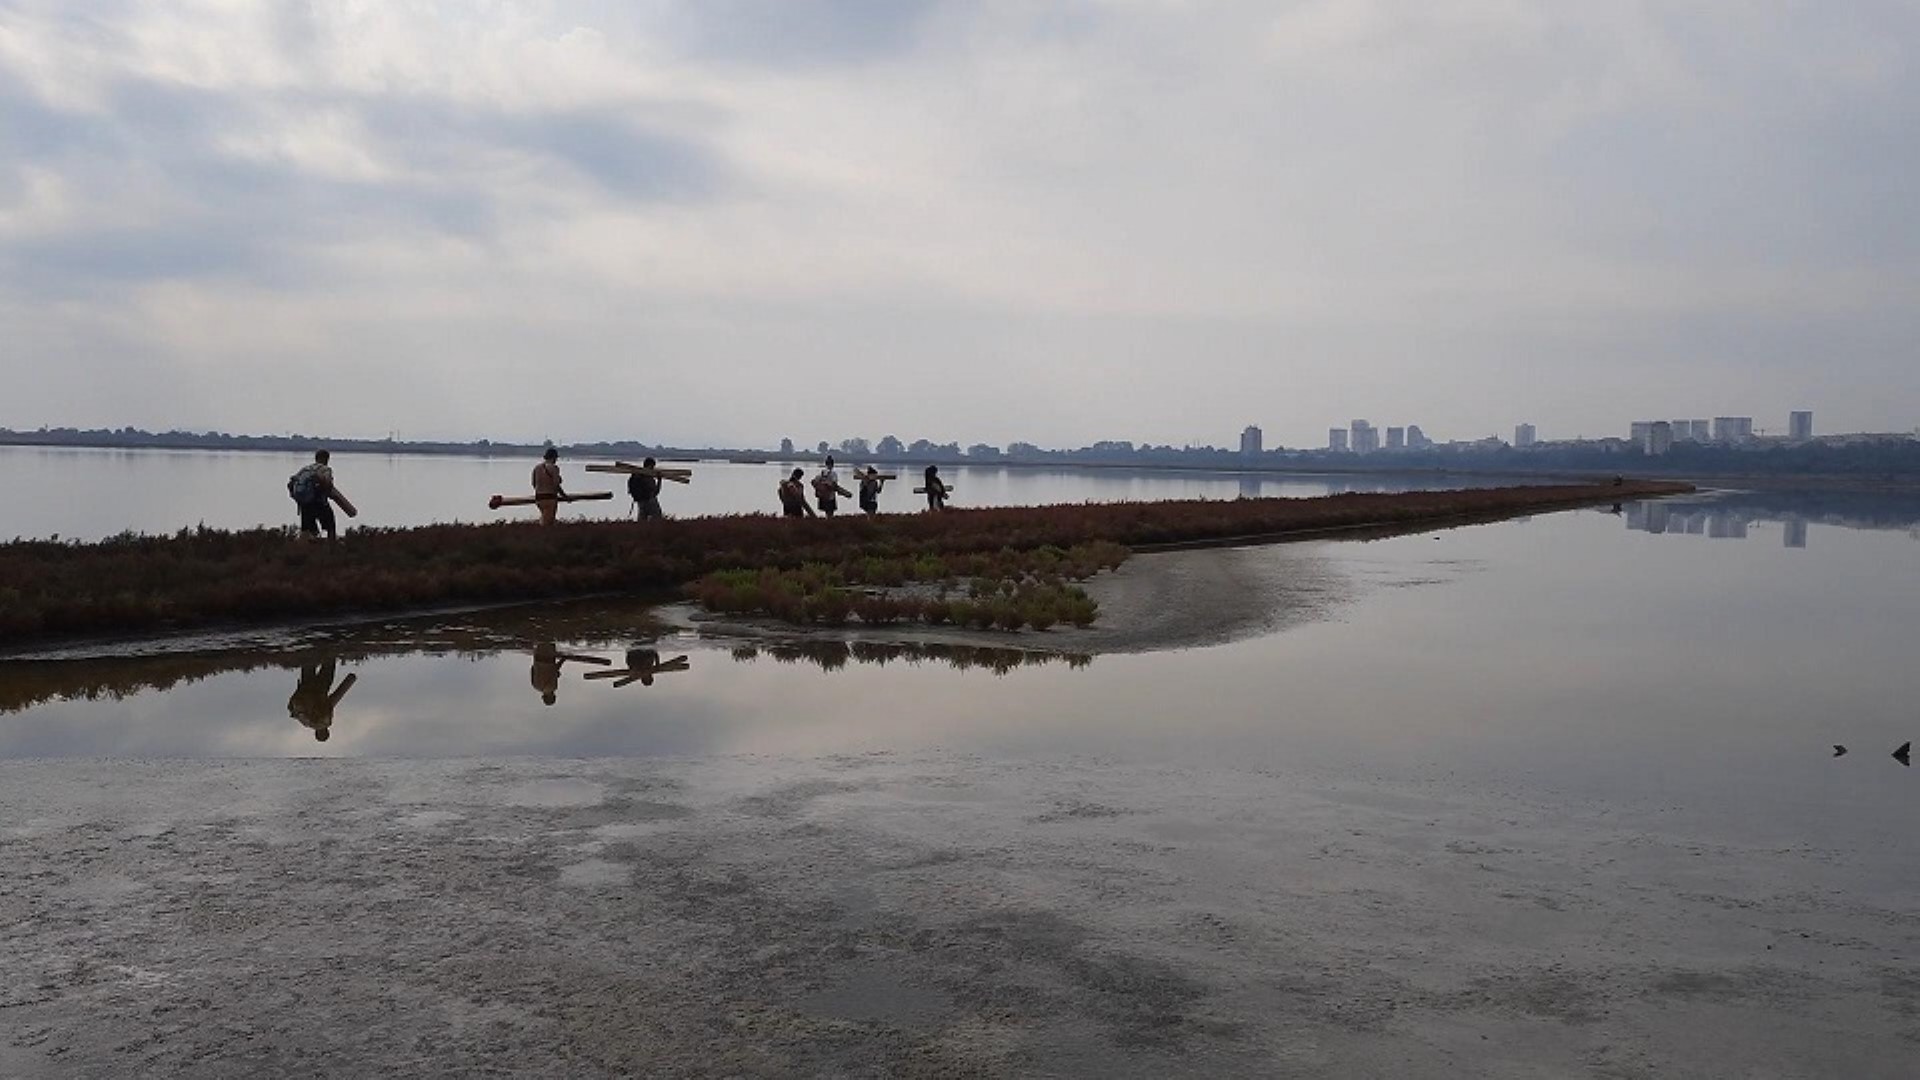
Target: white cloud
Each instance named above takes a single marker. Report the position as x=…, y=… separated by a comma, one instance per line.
x=1056, y=222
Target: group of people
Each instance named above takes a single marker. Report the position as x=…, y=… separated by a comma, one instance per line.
x=827, y=491
x=314, y=492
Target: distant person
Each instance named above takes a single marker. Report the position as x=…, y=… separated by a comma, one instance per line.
x=547, y=489
x=870, y=483
x=545, y=675
x=936, y=489
x=645, y=489
x=315, y=697
x=644, y=662
x=793, y=496
x=827, y=489
x=313, y=492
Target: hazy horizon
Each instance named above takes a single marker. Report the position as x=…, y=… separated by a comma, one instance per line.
x=728, y=222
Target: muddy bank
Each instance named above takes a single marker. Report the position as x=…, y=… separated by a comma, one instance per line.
x=913, y=915
x=1154, y=601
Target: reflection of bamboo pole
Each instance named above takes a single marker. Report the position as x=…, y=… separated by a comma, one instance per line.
x=629, y=675
x=499, y=501
x=582, y=658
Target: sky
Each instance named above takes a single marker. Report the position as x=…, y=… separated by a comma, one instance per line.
x=728, y=221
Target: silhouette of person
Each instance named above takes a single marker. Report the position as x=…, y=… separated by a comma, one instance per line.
x=643, y=661
x=315, y=697
x=546, y=671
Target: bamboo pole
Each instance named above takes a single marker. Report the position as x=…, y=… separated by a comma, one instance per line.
x=499, y=501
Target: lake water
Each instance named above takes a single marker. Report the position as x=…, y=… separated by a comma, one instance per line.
x=86, y=494
x=1695, y=657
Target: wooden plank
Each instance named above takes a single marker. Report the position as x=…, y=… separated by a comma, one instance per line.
x=343, y=502
x=678, y=476
x=499, y=501
x=922, y=491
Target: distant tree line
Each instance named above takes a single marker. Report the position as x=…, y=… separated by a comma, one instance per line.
x=1866, y=459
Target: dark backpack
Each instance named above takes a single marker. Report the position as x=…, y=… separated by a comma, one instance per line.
x=643, y=487
x=304, y=486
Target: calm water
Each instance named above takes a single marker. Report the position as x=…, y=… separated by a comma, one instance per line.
x=1695, y=657
x=88, y=494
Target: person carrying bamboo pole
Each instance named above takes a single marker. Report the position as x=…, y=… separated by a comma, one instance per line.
x=547, y=488
x=644, y=487
x=313, y=492
x=936, y=489
x=793, y=496
x=870, y=483
x=827, y=489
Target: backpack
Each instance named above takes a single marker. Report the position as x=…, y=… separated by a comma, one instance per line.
x=304, y=486
x=642, y=487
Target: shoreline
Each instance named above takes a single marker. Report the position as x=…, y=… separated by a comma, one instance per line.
x=132, y=588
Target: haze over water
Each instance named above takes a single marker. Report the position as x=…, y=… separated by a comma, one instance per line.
x=89, y=494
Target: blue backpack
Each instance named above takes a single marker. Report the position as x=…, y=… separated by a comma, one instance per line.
x=304, y=486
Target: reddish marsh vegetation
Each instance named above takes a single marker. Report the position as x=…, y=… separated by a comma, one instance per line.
x=141, y=583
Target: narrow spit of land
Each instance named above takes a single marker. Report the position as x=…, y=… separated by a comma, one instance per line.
x=198, y=578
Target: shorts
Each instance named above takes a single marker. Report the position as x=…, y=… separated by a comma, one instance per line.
x=315, y=516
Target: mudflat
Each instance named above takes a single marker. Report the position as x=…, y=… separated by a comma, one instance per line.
x=924, y=914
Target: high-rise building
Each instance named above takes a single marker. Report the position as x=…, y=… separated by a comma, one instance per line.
x=1637, y=433
x=1337, y=440
x=1250, y=440
x=1417, y=439
x=1396, y=438
x=1732, y=429
x=1800, y=425
x=1366, y=437
x=1699, y=431
x=1523, y=435
x=1659, y=438
x=1796, y=533
x=1682, y=430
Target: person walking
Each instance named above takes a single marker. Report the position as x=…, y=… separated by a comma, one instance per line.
x=936, y=489
x=793, y=496
x=547, y=488
x=313, y=492
x=870, y=483
x=645, y=489
x=827, y=489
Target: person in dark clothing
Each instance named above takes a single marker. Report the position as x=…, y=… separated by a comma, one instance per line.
x=870, y=483
x=936, y=489
x=793, y=496
x=315, y=697
x=645, y=489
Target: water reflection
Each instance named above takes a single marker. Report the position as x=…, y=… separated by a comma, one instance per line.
x=547, y=662
x=642, y=665
x=835, y=655
x=1728, y=515
x=315, y=697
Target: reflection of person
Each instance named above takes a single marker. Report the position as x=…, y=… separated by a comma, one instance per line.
x=315, y=697
x=547, y=491
x=546, y=671
x=643, y=661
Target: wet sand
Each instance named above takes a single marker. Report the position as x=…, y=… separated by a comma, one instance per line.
x=913, y=915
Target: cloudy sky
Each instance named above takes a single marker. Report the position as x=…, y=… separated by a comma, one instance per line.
x=732, y=220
